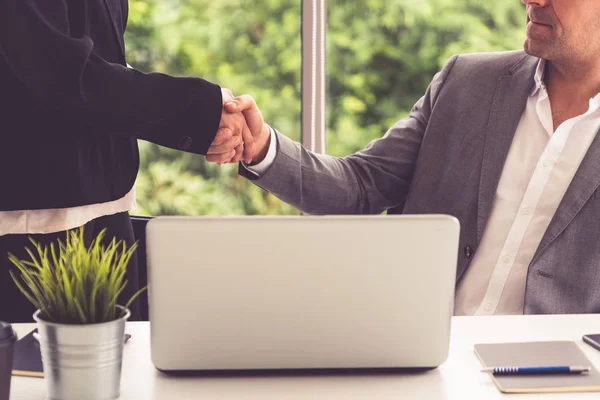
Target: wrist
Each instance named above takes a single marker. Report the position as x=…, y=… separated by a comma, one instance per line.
x=263, y=145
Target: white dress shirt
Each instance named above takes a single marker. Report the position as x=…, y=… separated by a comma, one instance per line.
x=539, y=167
x=61, y=219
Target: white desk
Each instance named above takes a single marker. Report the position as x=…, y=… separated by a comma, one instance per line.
x=457, y=379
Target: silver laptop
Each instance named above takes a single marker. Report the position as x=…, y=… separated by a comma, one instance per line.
x=250, y=293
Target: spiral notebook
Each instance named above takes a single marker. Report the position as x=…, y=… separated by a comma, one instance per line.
x=539, y=354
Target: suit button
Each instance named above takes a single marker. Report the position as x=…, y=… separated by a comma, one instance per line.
x=468, y=251
x=185, y=143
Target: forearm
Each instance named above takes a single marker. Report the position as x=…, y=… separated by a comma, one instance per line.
x=315, y=184
x=368, y=182
x=174, y=112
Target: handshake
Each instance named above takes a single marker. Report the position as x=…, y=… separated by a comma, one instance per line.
x=242, y=135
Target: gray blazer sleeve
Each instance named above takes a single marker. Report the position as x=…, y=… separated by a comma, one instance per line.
x=368, y=182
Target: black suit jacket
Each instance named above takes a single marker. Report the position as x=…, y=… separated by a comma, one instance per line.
x=71, y=111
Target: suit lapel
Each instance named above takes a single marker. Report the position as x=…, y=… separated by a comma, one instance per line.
x=582, y=187
x=510, y=98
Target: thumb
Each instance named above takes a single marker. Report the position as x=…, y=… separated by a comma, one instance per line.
x=241, y=103
x=232, y=107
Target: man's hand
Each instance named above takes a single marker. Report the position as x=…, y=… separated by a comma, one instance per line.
x=225, y=147
x=241, y=138
x=255, y=122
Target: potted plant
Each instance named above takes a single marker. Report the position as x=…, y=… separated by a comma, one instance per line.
x=81, y=327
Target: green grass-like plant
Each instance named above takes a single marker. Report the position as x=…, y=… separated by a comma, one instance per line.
x=76, y=284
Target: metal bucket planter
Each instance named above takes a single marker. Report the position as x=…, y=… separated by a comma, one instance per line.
x=82, y=361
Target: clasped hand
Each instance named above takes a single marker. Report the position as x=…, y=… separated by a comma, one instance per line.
x=240, y=133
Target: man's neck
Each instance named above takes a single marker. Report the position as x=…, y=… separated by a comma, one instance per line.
x=576, y=79
x=570, y=87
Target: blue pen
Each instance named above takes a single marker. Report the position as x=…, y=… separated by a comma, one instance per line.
x=559, y=369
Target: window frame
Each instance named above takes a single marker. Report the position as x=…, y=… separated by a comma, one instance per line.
x=314, y=27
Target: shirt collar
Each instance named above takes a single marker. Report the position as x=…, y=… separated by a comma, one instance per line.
x=541, y=86
x=539, y=77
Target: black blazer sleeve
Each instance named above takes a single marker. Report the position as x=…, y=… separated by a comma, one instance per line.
x=64, y=71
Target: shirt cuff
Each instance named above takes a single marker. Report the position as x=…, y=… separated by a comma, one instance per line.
x=262, y=167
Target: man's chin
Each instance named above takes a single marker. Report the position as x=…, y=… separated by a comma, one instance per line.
x=534, y=49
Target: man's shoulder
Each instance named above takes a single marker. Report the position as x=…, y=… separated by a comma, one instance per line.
x=499, y=62
x=470, y=80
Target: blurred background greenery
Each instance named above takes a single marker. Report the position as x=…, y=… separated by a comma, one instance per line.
x=381, y=55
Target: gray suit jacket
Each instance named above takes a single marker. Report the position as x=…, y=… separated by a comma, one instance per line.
x=447, y=157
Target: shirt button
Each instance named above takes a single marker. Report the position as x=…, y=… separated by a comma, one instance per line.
x=506, y=258
x=546, y=163
x=526, y=210
x=487, y=307
x=185, y=143
x=468, y=251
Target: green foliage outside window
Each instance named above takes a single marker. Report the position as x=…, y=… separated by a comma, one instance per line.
x=381, y=55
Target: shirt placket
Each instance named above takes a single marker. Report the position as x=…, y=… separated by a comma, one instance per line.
x=525, y=213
